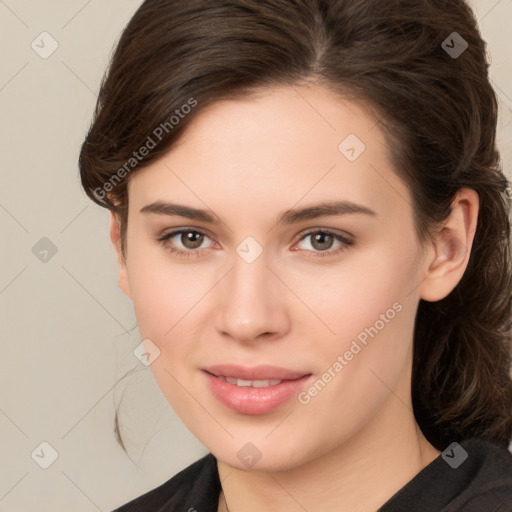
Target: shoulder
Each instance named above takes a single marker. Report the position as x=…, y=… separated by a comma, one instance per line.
x=487, y=484
x=473, y=476
x=196, y=487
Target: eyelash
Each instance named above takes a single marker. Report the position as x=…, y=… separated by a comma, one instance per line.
x=196, y=253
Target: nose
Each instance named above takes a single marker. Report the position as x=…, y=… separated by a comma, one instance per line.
x=253, y=302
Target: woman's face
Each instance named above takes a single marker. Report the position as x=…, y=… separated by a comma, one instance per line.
x=329, y=295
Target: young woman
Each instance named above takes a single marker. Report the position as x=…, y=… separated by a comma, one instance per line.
x=311, y=220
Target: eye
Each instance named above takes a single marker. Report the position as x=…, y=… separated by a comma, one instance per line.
x=190, y=239
x=322, y=241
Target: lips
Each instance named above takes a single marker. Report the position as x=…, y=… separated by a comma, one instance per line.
x=256, y=390
x=262, y=372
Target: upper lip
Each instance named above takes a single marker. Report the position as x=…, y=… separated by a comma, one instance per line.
x=261, y=372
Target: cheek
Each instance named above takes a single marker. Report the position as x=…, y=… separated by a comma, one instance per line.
x=370, y=313
x=364, y=360
x=164, y=295
x=364, y=290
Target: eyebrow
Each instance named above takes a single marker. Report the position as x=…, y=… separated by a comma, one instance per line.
x=329, y=208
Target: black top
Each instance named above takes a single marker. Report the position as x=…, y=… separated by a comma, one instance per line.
x=473, y=476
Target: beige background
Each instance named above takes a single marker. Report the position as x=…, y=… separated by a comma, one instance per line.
x=67, y=330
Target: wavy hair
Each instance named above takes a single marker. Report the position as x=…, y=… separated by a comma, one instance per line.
x=437, y=110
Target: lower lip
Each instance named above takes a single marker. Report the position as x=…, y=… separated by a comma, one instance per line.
x=249, y=400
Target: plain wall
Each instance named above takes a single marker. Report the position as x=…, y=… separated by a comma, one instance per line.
x=67, y=330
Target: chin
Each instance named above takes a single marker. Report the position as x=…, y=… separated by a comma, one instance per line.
x=248, y=457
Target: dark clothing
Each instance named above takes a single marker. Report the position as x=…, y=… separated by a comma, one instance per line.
x=482, y=482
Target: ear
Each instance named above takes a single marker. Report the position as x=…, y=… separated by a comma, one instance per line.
x=115, y=237
x=450, y=250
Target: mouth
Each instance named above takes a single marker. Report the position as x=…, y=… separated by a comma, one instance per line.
x=254, y=390
x=256, y=373
x=250, y=383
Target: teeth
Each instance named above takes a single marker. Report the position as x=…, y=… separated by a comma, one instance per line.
x=251, y=383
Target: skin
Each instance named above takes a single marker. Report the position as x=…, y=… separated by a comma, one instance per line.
x=248, y=161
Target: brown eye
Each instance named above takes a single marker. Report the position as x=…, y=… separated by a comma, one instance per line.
x=191, y=239
x=185, y=242
x=322, y=241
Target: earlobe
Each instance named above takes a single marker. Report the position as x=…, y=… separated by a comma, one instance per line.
x=115, y=237
x=451, y=247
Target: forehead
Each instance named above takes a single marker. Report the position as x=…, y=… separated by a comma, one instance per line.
x=281, y=145
x=282, y=117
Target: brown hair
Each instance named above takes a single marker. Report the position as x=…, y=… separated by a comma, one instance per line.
x=437, y=110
